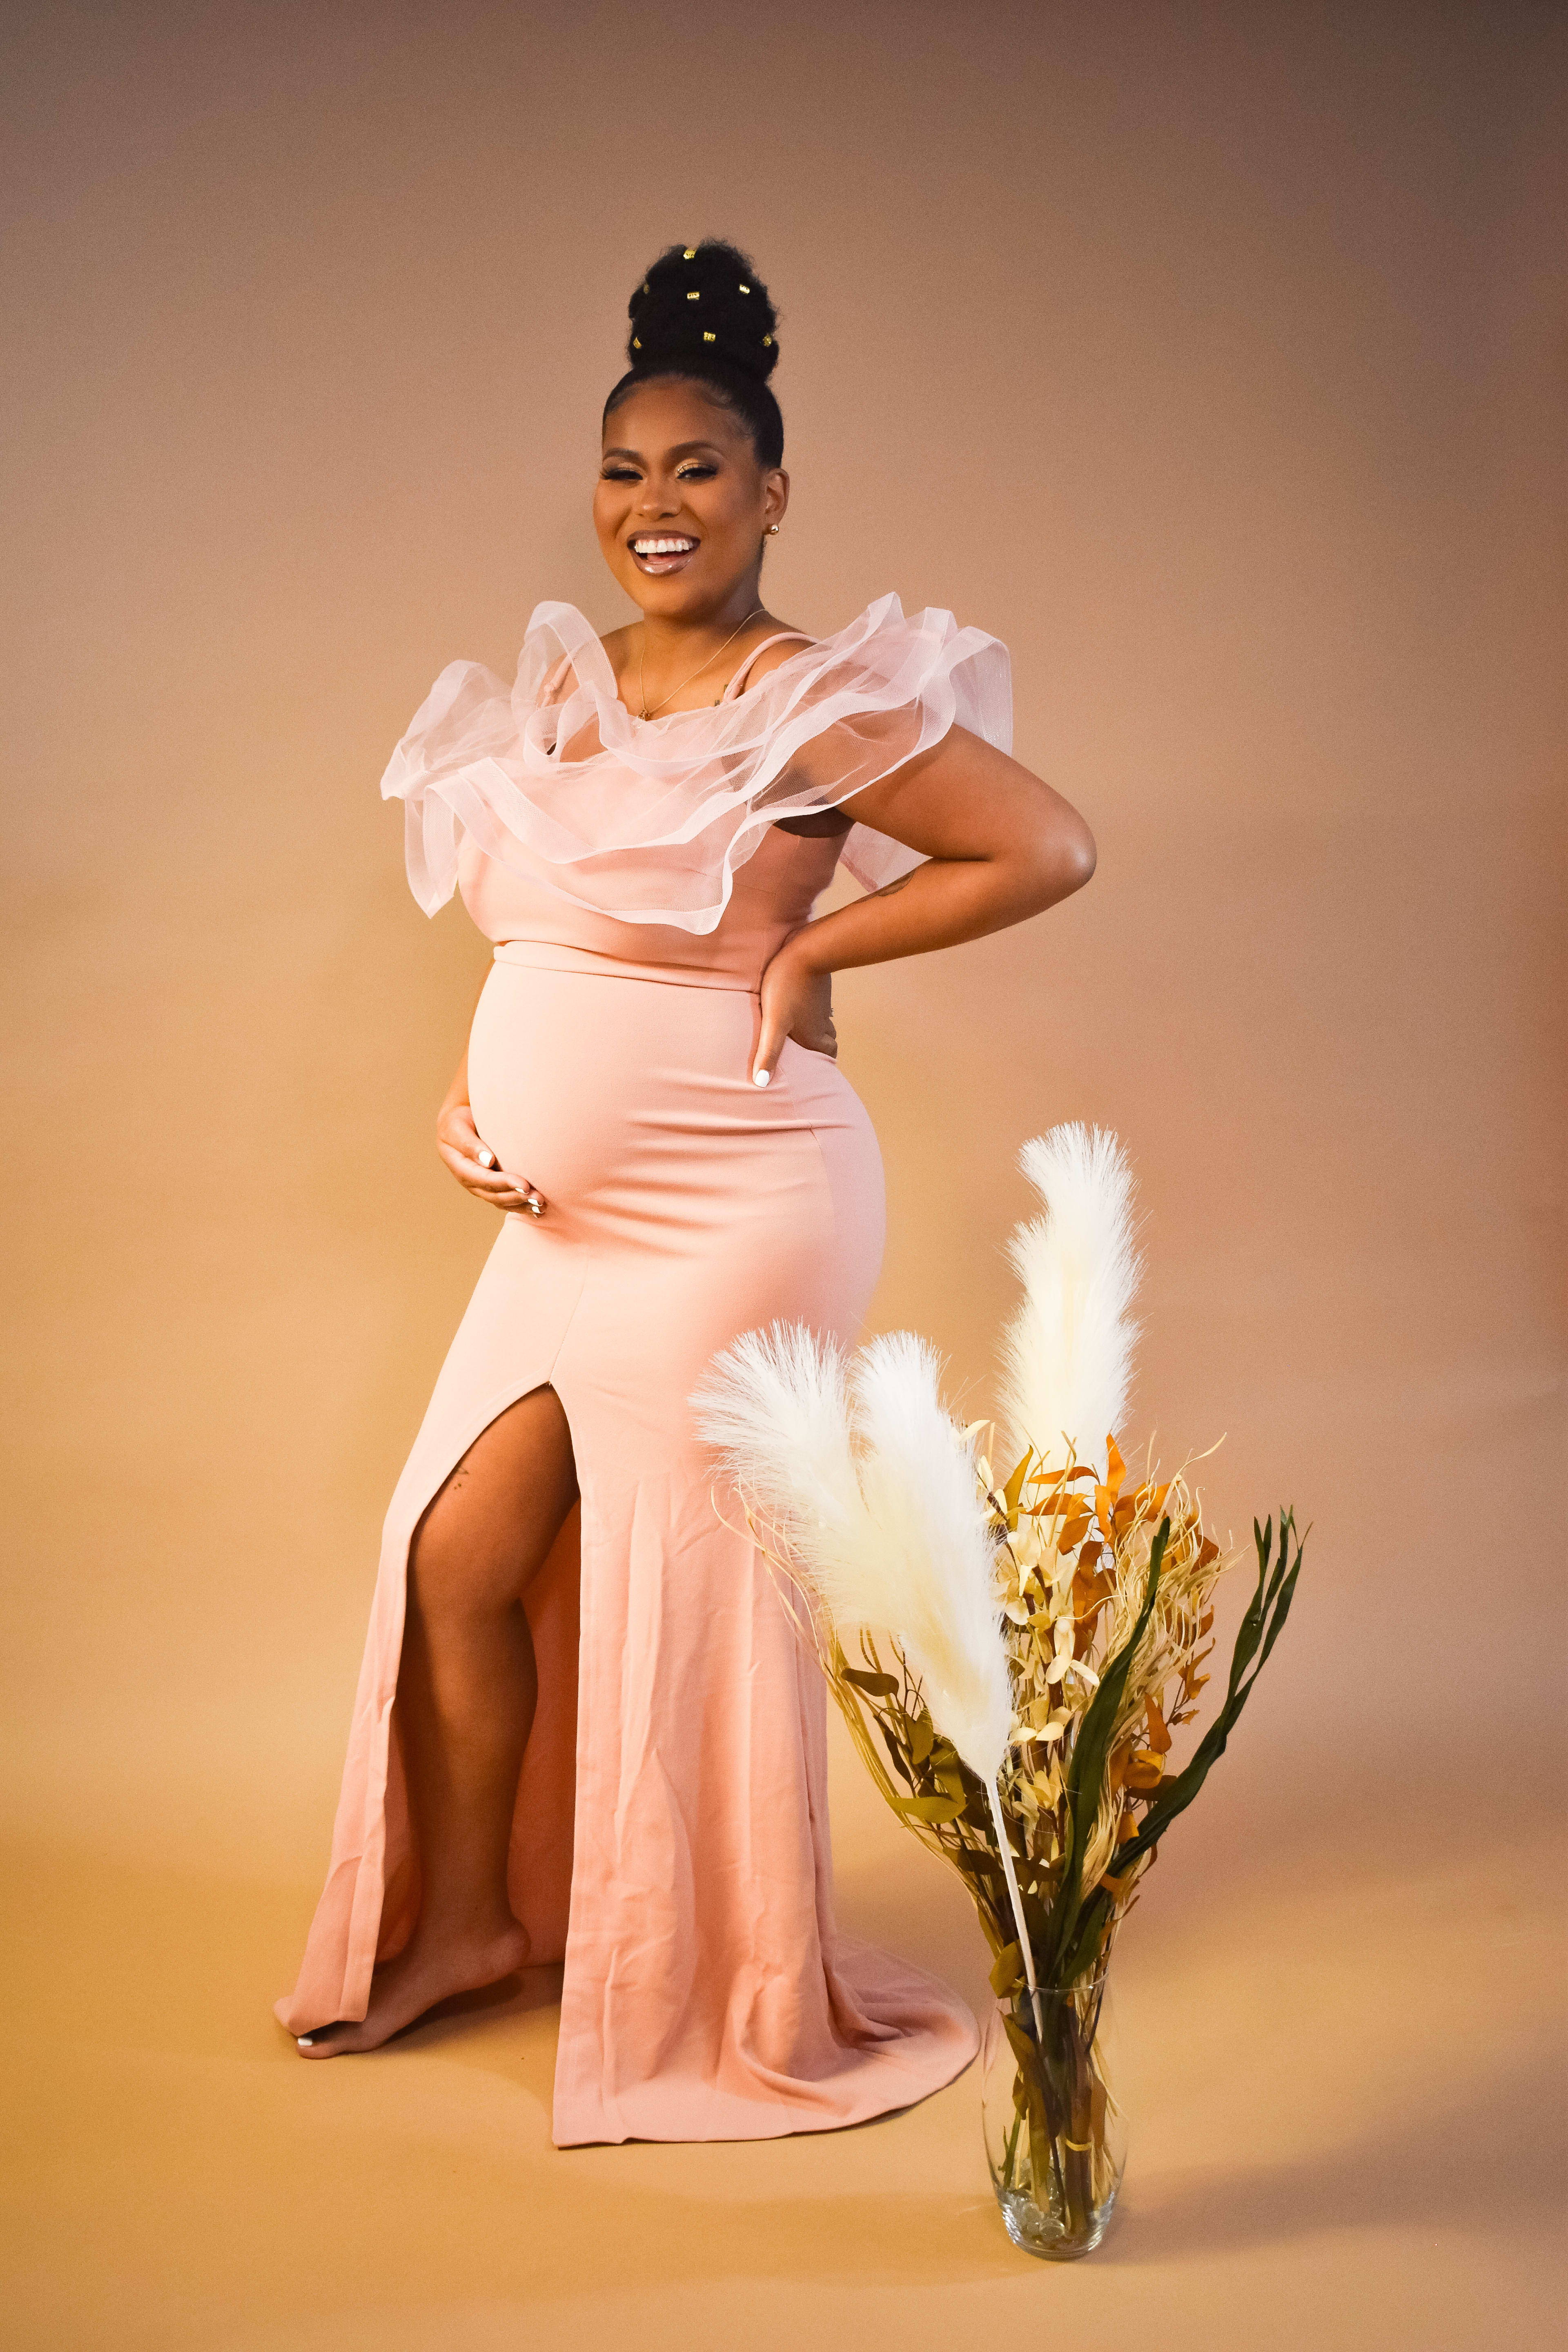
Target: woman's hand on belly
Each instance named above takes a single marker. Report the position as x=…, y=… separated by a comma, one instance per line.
x=471, y=1159
x=798, y=1003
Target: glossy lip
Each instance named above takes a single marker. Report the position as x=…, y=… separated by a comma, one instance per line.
x=659, y=567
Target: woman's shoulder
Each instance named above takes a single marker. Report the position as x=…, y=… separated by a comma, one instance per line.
x=783, y=641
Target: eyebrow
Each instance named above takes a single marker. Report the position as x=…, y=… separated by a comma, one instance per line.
x=681, y=449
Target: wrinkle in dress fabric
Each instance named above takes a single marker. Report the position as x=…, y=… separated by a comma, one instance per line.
x=670, y=1839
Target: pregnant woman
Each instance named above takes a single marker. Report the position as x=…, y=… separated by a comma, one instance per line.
x=585, y=1729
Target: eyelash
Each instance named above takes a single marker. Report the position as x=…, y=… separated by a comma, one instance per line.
x=691, y=472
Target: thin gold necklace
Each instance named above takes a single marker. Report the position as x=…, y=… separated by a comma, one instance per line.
x=642, y=691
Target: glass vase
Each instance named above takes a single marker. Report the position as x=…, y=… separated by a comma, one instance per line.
x=1056, y=2134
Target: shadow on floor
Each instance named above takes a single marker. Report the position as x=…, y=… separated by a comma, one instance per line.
x=1477, y=2166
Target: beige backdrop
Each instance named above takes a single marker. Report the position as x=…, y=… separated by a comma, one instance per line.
x=1200, y=352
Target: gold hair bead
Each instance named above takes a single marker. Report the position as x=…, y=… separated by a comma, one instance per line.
x=708, y=336
x=745, y=289
x=637, y=342
x=767, y=339
x=689, y=253
x=694, y=296
x=645, y=286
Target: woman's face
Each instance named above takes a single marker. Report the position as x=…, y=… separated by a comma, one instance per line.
x=682, y=506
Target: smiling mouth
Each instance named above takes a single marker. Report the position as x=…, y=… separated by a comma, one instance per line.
x=658, y=552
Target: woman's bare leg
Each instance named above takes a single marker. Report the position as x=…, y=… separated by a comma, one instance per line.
x=466, y=1689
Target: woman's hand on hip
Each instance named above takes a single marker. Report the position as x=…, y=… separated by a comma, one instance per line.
x=474, y=1165
x=796, y=1002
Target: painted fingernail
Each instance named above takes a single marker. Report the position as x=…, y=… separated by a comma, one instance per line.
x=762, y=1077
x=305, y=2041
x=486, y=1157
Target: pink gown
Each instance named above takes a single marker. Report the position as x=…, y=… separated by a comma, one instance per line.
x=671, y=1838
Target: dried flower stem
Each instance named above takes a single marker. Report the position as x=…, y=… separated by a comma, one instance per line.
x=1004, y=1849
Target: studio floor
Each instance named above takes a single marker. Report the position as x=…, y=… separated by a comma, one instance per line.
x=1342, y=2092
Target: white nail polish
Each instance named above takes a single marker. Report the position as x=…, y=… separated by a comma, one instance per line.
x=305, y=2041
x=762, y=1077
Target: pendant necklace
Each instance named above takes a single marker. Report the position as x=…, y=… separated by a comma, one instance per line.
x=642, y=691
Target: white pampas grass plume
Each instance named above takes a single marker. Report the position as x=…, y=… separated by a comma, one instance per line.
x=774, y=1404
x=921, y=1492
x=1068, y=1351
x=876, y=1493
x=918, y=1479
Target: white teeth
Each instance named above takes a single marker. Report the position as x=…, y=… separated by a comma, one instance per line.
x=662, y=546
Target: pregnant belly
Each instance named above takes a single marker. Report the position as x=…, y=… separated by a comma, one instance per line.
x=622, y=1093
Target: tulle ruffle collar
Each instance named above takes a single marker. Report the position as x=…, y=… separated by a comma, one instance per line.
x=647, y=820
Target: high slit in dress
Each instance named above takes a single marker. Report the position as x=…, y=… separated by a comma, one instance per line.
x=670, y=1836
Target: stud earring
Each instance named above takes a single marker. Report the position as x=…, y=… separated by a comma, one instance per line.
x=772, y=531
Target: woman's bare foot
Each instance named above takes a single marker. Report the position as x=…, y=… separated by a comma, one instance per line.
x=427, y=1972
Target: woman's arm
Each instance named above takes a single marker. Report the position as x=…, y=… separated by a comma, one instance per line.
x=1000, y=845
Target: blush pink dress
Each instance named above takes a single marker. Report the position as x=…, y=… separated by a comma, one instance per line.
x=670, y=1839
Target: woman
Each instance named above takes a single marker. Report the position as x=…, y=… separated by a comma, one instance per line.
x=649, y=1098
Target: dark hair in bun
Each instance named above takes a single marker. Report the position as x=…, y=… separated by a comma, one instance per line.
x=702, y=313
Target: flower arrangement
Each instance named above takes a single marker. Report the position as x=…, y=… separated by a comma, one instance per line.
x=1015, y=1655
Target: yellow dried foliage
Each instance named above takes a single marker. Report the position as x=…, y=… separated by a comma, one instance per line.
x=1072, y=1574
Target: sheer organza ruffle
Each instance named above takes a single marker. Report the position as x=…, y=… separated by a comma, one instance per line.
x=648, y=819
